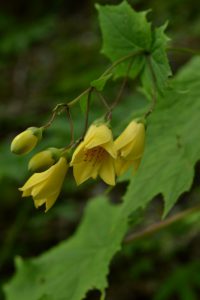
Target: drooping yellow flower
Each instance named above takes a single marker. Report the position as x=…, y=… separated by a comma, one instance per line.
x=130, y=147
x=95, y=156
x=44, y=160
x=45, y=187
x=26, y=140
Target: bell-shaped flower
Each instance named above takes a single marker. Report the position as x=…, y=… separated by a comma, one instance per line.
x=45, y=187
x=95, y=156
x=27, y=140
x=130, y=147
x=44, y=160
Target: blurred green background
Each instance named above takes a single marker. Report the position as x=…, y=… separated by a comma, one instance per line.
x=49, y=53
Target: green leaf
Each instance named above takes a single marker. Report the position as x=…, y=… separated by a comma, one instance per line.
x=172, y=143
x=99, y=83
x=159, y=63
x=124, y=32
x=80, y=264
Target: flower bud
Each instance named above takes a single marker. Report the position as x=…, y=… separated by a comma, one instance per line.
x=27, y=140
x=44, y=160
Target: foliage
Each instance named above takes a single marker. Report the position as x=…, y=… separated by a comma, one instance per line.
x=85, y=257
x=94, y=233
x=81, y=263
x=170, y=144
x=126, y=31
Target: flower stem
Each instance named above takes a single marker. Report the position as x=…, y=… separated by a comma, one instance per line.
x=88, y=91
x=118, y=98
x=160, y=225
x=71, y=103
x=120, y=60
x=102, y=99
x=57, y=109
x=48, y=124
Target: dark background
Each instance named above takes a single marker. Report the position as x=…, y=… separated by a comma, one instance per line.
x=49, y=52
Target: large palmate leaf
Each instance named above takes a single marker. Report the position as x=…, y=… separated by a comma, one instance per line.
x=69, y=270
x=126, y=31
x=173, y=143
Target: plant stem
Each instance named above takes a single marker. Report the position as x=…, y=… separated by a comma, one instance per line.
x=160, y=225
x=89, y=90
x=118, y=98
x=48, y=124
x=122, y=59
x=103, y=100
x=57, y=109
x=116, y=63
x=184, y=50
x=109, y=69
x=71, y=103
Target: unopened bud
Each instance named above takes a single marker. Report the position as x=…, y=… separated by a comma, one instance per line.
x=26, y=140
x=44, y=160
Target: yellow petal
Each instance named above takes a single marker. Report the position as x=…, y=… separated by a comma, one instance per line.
x=127, y=149
x=54, y=182
x=39, y=178
x=26, y=193
x=39, y=202
x=48, y=201
x=94, y=174
x=110, y=148
x=84, y=171
x=97, y=135
x=137, y=147
x=51, y=200
x=127, y=135
x=121, y=166
x=78, y=155
x=37, y=188
x=35, y=179
x=45, y=187
x=107, y=172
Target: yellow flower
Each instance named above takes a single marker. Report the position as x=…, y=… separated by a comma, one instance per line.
x=45, y=187
x=44, y=160
x=130, y=147
x=26, y=140
x=95, y=156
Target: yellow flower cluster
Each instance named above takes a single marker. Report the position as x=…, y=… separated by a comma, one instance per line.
x=97, y=155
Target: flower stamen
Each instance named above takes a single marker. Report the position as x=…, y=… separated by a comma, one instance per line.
x=94, y=155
